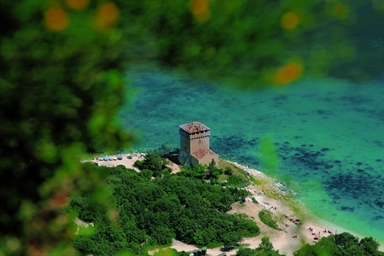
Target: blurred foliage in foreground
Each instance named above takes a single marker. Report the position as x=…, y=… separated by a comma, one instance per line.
x=61, y=82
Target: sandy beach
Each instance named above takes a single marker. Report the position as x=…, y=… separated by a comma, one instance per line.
x=128, y=160
x=295, y=230
x=298, y=225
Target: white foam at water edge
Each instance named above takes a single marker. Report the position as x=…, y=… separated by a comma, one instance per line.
x=258, y=174
x=282, y=188
x=249, y=170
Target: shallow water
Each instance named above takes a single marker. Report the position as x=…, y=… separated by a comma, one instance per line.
x=328, y=134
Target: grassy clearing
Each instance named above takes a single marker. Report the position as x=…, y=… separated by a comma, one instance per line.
x=214, y=245
x=235, y=171
x=268, y=189
x=238, y=178
x=240, y=173
x=268, y=219
x=240, y=205
x=255, y=181
x=157, y=247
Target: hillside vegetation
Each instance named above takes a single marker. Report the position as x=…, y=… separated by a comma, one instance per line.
x=153, y=210
x=153, y=206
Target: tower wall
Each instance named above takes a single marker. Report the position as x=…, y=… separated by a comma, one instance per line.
x=199, y=140
x=206, y=160
x=194, y=144
x=185, y=143
x=194, y=141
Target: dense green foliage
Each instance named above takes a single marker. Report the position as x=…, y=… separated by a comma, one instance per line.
x=154, y=162
x=243, y=42
x=234, y=180
x=61, y=84
x=343, y=244
x=267, y=218
x=265, y=248
x=212, y=173
x=228, y=170
x=152, y=212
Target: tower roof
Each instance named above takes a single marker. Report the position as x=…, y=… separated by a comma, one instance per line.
x=198, y=154
x=194, y=127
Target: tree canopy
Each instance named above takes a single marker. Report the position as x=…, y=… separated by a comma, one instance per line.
x=342, y=244
x=265, y=248
x=152, y=212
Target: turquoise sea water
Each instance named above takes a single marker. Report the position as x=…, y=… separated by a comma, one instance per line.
x=329, y=135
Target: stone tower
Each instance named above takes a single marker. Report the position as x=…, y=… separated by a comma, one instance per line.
x=194, y=145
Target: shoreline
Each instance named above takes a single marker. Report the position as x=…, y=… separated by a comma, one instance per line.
x=272, y=195
x=301, y=210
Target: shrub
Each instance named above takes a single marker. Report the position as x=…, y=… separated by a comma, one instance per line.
x=147, y=174
x=236, y=181
x=228, y=170
x=267, y=218
x=138, y=164
x=254, y=200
